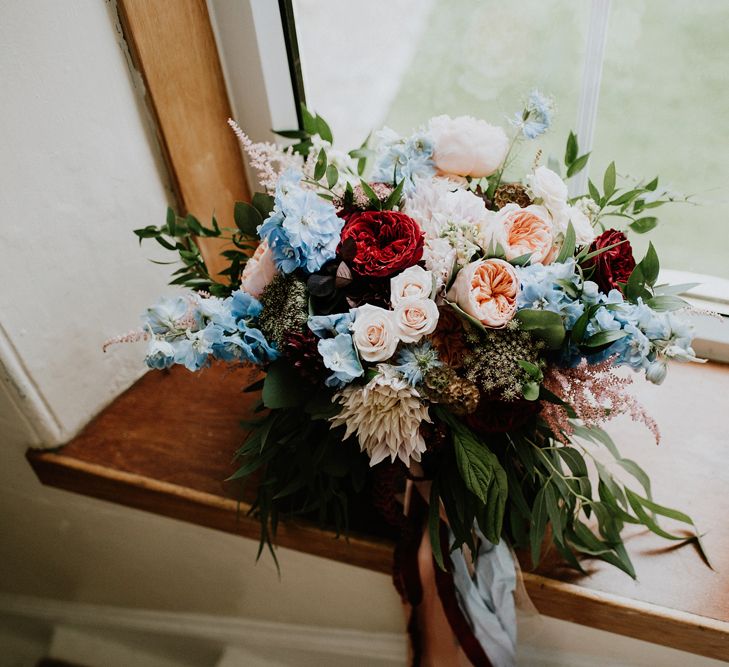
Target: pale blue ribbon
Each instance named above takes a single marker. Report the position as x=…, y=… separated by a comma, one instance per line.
x=487, y=598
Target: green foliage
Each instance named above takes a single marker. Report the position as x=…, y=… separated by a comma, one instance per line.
x=628, y=204
x=302, y=467
x=472, y=484
x=179, y=235
x=642, y=281
x=313, y=125
x=572, y=161
x=543, y=324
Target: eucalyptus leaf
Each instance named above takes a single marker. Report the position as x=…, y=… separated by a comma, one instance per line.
x=570, y=154
x=332, y=176
x=320, y=167
x=578, y=165
x=568, y=245
x=666, y=302
x=608, y=181
x=604, y=338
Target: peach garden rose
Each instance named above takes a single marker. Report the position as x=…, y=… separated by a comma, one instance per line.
x=487, y=290
x=522, y=231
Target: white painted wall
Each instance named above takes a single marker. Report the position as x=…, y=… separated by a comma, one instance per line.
x=78, y=174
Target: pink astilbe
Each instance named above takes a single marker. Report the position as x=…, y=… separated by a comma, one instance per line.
x=268, y=159
x=129, y=337
x=596, y=394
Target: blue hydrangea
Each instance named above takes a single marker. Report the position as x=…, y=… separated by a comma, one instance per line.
x=340, y=357
x=541, y=290
x=398, y=158
x=414, y=361
x=327, y=326
x=303, y=229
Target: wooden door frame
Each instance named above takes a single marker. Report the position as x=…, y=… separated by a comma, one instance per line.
x=172, y=45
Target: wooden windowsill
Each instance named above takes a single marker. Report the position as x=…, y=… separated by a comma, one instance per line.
x=166, y=444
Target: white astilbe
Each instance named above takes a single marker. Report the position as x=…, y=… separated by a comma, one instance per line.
x=268, y=159
x=386, y=415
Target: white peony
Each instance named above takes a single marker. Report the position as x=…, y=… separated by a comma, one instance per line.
x=440, y=258
x=438, y=203
x=415, y=317
x=374, y=333
x=466, y=146
x=414, y=282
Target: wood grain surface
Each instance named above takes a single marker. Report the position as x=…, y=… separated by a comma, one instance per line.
x=166, y=446
x=173, y=46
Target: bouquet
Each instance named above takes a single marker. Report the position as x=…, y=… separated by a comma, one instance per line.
x=436, y=330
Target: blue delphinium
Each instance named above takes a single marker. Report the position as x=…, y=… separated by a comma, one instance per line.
x=247, y=344
x=339, y=356
x=650, y=336
x=536, y=118
x=193, y=350
x=192, y=331
x=243, y=306
x=327, y=326
x=401, y=158
x=303, y=229
x=414, y=361
x=218, y=312
x=160, y=354
x=166, y=315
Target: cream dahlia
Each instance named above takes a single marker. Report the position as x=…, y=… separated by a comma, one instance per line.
x=386, y=415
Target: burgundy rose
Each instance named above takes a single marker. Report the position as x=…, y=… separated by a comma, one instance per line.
x=386, y=241
x=611, y=266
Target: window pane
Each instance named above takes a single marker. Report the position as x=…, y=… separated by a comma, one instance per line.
x=398, y=62
x=663, y=110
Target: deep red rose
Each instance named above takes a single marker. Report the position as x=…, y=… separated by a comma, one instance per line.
x=611, y=266
x=387, y=242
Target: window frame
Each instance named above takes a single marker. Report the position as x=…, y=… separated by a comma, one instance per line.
x=265, y=88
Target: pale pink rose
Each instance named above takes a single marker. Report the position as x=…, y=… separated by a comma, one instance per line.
x=258, y=271
x=522, y=231
x=374, y=333
x=414, y=281
x=487, y=290
x=465, y=146
x=415, y=317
